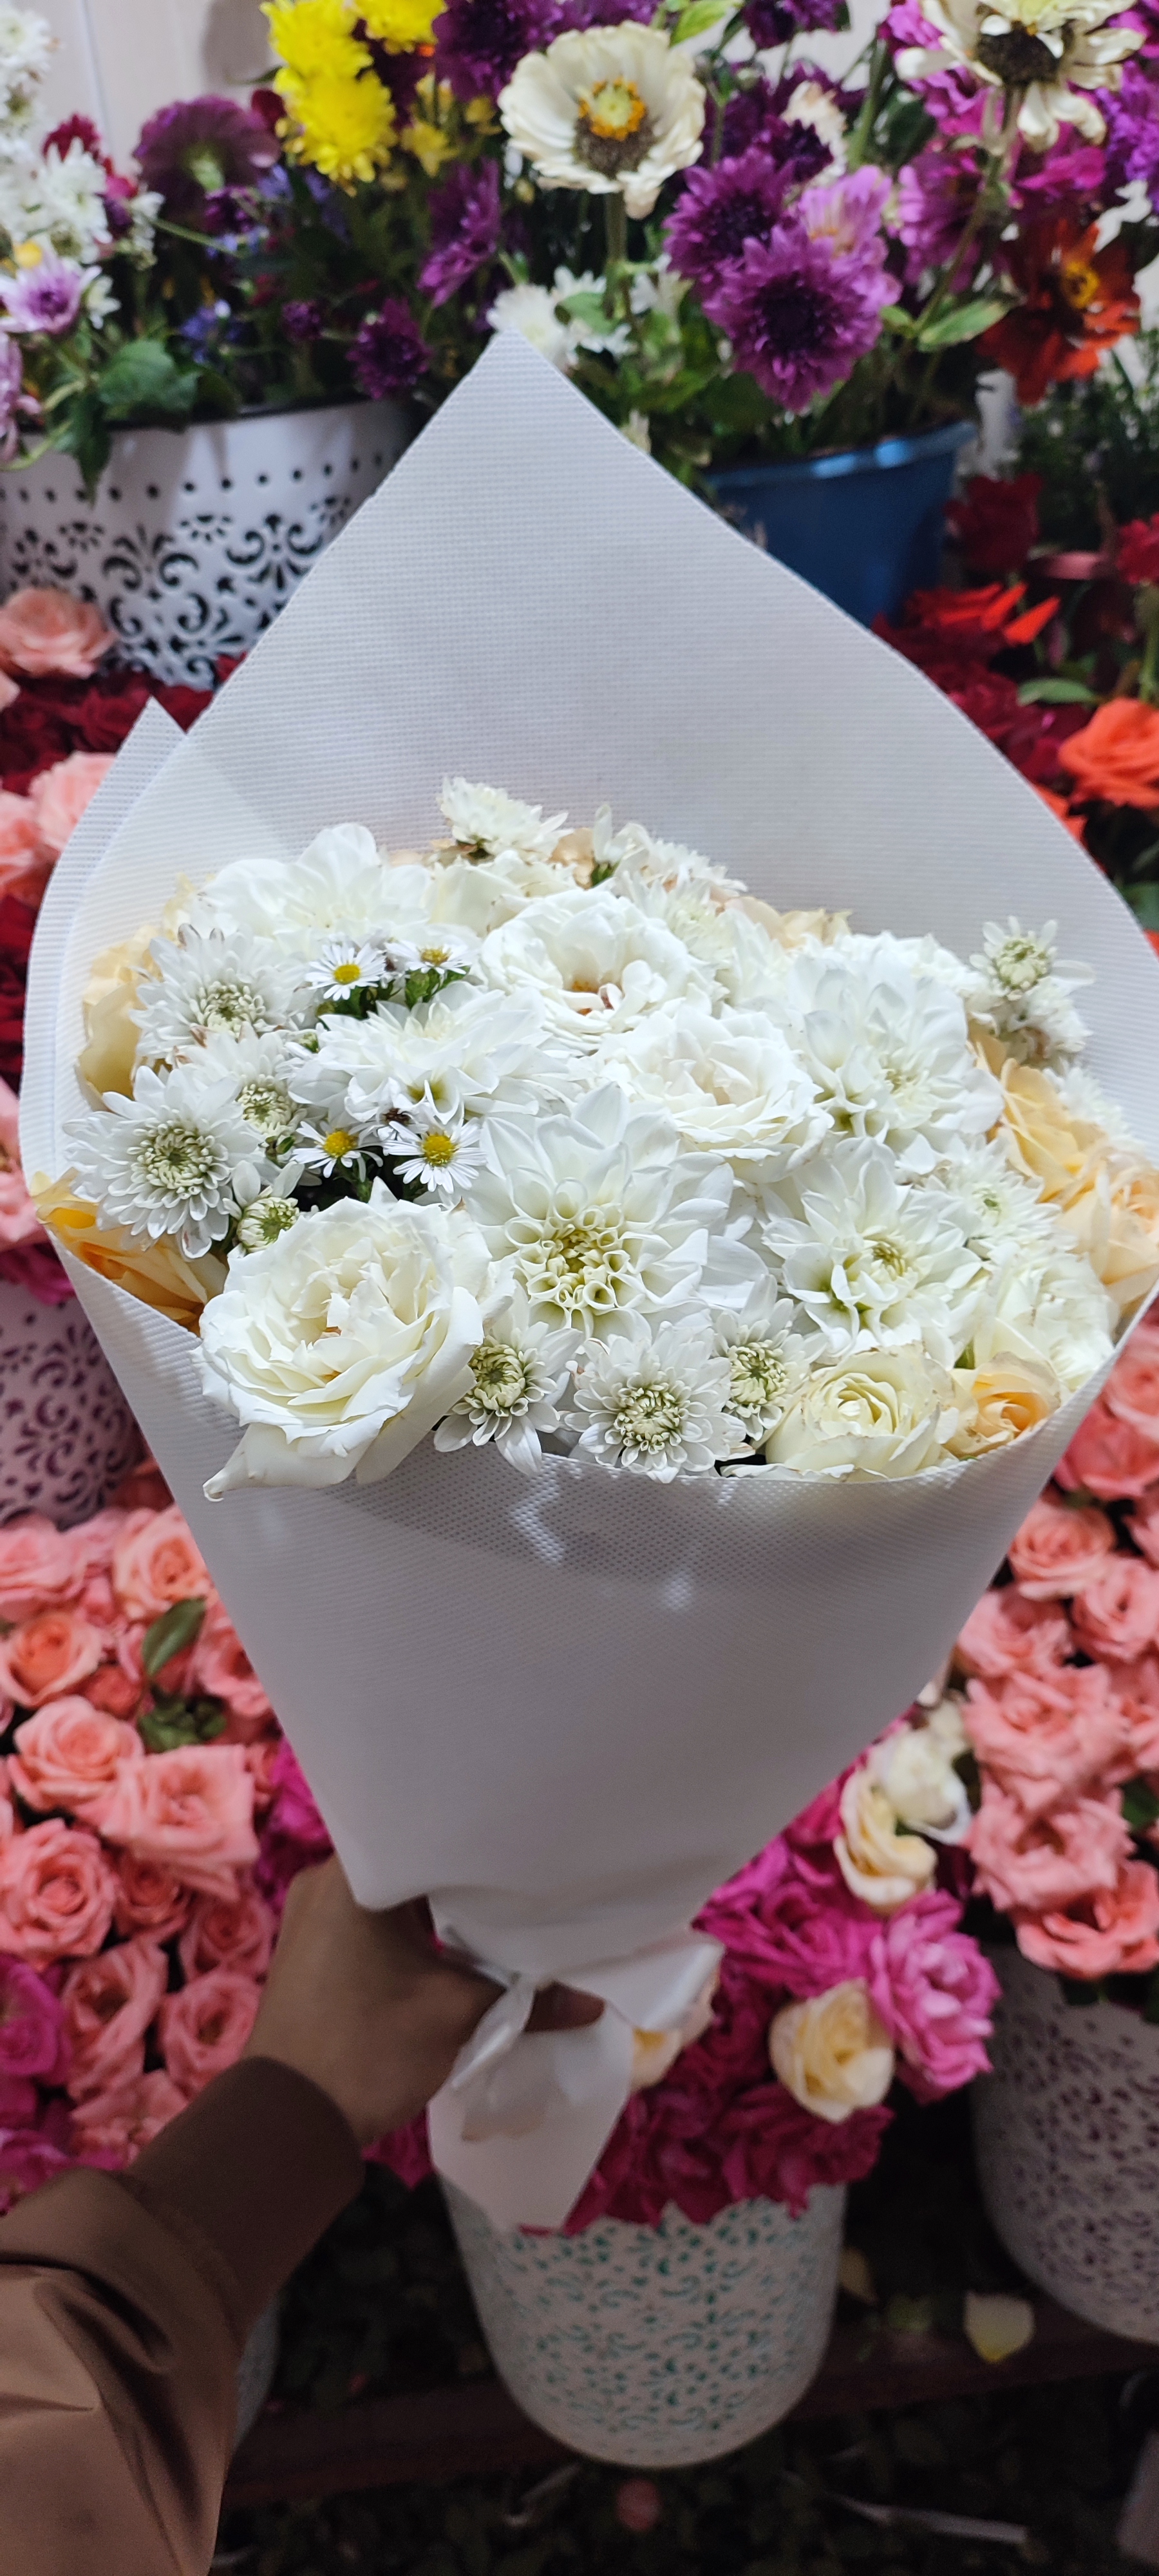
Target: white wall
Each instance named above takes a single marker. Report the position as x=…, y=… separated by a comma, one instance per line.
x=117, y=60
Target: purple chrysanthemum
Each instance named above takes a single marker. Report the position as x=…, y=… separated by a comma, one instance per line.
x=935, y=195
x=45, y=298
x=798, y=319
x=199, y=145
x=774, y=22
x=479, y=42
x=602, y=13
x=12, y=398
x=304, y=319
x=1133, y=132
x=388, y=354
x=752, y=117
x=720, y=210
x=465, y=221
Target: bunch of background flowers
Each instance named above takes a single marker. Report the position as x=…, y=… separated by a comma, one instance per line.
x=137, y=1749
x=1061, y=1704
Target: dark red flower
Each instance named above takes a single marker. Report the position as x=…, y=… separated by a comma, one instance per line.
x=1138, y=557
x=1077, y=301
x=996, y=523
x=78, y=129
x=17, y=922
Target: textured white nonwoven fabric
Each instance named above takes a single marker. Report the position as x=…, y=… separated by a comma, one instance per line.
x=570, y=1706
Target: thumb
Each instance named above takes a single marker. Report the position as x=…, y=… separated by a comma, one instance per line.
x=563, y=2008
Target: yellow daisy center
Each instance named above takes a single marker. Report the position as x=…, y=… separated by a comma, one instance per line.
x=613, y=109
x=438, y=1147
x=339, y=1141
x=349, y=974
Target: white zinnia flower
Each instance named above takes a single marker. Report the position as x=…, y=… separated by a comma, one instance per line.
x=219, y=981
x=881, y=1413
x=599, y=1212
x=342, y=1343
x=437, y=1153
x=874, y=1262
x=598, y=965
x=615, y=110
x=465, y=1050
x=485, y=822
x=1034, y=50
x=1022, y=992
x=518, y=1375
x=176, y=1159
x=654, y=1399
x=731, y=1084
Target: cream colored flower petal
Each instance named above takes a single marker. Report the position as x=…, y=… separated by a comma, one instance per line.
x=996, y=2324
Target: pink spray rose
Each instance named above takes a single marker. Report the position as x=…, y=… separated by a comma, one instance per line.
x=111, y=2128
x=1145, y=1527
x=1137, y=1690
x=56, y=1894
x=1117, y=1615
x=47, y=1655
x=260, y=1761
x=205, y=2028
x=1109, y=1458
x=1057, y=1549
x=155, y=1563
x=192, y=1809
x=150, y=1898
x=92, y=1545
x=22, y=871
x=1131, y=1393
x=1112, y=1933
x=798, y=1936
x=228, y=1932
x=32, y=2040
x=1008, y=1632
x=27, y=2159
x=7, y=1811
x=19, y=1222
x=109, y=2003
x=50, y=633
x=60, y=795
x=221, y=1667
x=70, y=1755
x=37, y=1569
x=1046, y=1739
x=935, y=1992
x=1040, y=1863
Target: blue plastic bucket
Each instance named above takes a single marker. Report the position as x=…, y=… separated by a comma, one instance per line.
x=865, y=527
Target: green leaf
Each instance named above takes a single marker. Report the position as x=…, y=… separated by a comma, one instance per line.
x=1056, y=693
x=1144, y=903
x=174, y=1722
x=963, y=322
x=143, y=377
x=895, y=318
x=1140, y=1805
x=587, y=308
x=696, y=20
x=171, y=1634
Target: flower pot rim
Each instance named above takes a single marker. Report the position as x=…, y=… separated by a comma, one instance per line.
x=884, y=455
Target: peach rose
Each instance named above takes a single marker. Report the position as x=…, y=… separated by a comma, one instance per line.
x=1050, y=1142
x=1132, y=1389
x=1007, y=1632
x=47, y=1655
x=22, y=870
x=192, y=1809
x=1043, y=1863
x=1113, y=1934
x=1137, y=1690
x=878, y=1861
x=1109, y=1458
x=221, y=1667
x=150, y=1898
x=205, y=2028
x=7, y=1811
x=1059, y=1548
x=155, y=1563
x=1105, y=1222
x=52, y=633
x=228, y=1932
x=70, y=1755
x=113, y=2127
x=1046, y=1738
x=1000, y=1402
x=92, y=1543
x=108, y=2005
x=1117, y=1615
x=19, y=1222
x=1145, y=1527
x=61, y=794
x=36, y=1567
x=56, y=1894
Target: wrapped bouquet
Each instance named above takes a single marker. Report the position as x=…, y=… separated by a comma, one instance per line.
x=568, y=1704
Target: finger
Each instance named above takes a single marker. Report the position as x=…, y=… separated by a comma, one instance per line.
x=563, y=2008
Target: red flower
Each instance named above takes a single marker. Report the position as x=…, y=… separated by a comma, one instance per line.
x=17, y=921
x=1078, y=300
x=1138, y=558
x=996, y=523
x=944, y=628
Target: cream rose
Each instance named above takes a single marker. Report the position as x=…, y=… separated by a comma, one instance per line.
x=341, y=1344
x=655, y=2051
x=878, y=1861
x=877, y=1413
x=599, y=965
x=915, y=1770
x=731, y=1084
x=999, y=1402
x=833, y=2054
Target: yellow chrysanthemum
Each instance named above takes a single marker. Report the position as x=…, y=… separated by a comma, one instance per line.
x=401, y=24
x=346, y=128
x=314, y=39
x=430, y=144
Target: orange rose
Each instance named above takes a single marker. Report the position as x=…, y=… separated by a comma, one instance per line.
x=49, y=632
x=156, y=1563
x=108, y=2005
x=1116, y=756
x=113, y=2127
x=1111, y=1934
x=70, y=1755
x=205, y=2028
x=192, y=1809
x=47, y=1655
x=56, y=1894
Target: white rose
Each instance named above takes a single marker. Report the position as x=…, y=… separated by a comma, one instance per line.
x=599, y=964
x=878, y=1861
x=343, y=1342
x=732, y=1086
x=878, y=1413
x=654, y=2051
x=833, y=2054
x=915, y=1769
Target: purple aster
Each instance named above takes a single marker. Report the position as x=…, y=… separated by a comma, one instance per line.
x=1133, y=132
x=774, y=22
x=720, y=210
x=45, y=298
x=948, y=96
x=935, y=194
x=304, y=320
x=388, y=354
x=752, y=117
x=465, y=221
x=602, y=13
x=797, y=318
x=190, y=150
x=479, y=42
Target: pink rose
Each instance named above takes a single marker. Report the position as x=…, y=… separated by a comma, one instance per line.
x=108, y=2005
x=192, y=1809
x=1145, y=1527
x=7, y=1810
x=935, y=1993
x=1131, y=1393
x=61, y=794
x=1109, y=1458
x=1059, y=1549
x=228, y=1932
x=92, y=1544
x=1041, y=1862
x=119, y=1693
x=70, y=1755
x=1113, y=1933
x=1117, y=1615
x=111, y=2128
x=19, y=1222
x=47, y=1655
x=52, y=633
x=205, y=2028
x=36, y=1567
x=1046, y=1739
x=32, y=2040
x=1137, y=1687
x=155, y=1563
x=261, y=1759
x=222, y=1668
x=27, y=2159
x=1008, y=1633
x=150, y=1898
x=56, y=1894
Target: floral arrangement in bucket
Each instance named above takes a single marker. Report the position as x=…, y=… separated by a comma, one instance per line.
x=560, y=1136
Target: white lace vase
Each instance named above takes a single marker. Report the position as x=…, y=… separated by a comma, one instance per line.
x=66, y=1433
x=197, y=537
x=1066, y=2134
x=658, y=2347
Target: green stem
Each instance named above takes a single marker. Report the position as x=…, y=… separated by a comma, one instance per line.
x=615, y=230
x=988, y=186
x=1149, y=668
x=859, y=140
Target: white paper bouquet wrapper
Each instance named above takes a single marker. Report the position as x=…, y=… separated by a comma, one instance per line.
x=569, y=1706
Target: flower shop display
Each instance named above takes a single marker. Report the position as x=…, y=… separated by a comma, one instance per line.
x=661, y=1664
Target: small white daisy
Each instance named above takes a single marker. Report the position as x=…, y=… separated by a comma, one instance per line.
x=657, y=1404
x=219, y=983
x=519, y=1374
x=440, y=1153
x=177, y=1158
x=265, y=1219
x=345, y=967
x=320, y=1152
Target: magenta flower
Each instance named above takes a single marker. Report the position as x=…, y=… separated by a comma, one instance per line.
x=1133, y=132
x=798, y=318
x=753, y=115
x=190, y=150
x=45, y=298
x=388, y=354
x=935, y=1992
x=721, y=209
x=465, y=221
x=935, y=196
x=27, y=2159
x=32, y=2039
x=479, y=42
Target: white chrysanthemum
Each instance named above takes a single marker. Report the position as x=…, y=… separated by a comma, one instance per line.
x=731, y=1084
x=340, y=888
x=598, y=1213
x=1021, y=991
x=26, y=50
x=598, y=965
x=885, y=952
x=534, y=312
x=342, y=1343
x=485, y=822
x=434, y=1152
x=880, y=1413
x=1003, y=1213
x=614, y=338
x=1050, y=1307
x=748, y=966
x=890, y=1055
x=217, y=982
x=256, y=1068
x=614, y=110
x=654, y=1400
x=64, y=203
x=465, y=1050
x=265, y=1219
x=872, y=1262
x=1045, y=53
x=767, y=1359
x=1087, y=1099
x=176, y=1159
x=518, y=1375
